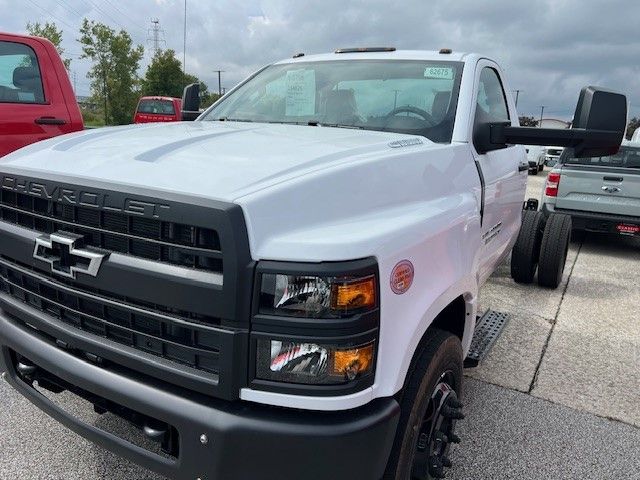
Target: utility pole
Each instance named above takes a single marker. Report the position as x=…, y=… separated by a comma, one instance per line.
x=517, y=95
x=219, y=81
x=184, y=46
x=155, y=32
x=395, y=98
x=541, y=112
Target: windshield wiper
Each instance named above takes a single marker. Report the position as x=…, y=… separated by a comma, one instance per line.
x=315, y=123
x=227, y=119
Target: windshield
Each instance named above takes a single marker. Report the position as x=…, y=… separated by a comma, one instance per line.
x=160, y=107
x=413, y=97
x=627, y=157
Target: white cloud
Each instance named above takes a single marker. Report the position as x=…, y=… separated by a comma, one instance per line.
x=549, y=48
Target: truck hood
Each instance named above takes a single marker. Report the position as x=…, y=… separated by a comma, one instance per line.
x=219, y=160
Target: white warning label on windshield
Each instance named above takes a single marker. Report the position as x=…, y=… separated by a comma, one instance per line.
x=301, y=93
x=441, y=73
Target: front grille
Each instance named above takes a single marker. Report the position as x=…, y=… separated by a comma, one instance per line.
x=166, y=336
x=153, y=239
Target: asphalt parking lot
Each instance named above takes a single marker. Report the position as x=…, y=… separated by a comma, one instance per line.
x=557, y=397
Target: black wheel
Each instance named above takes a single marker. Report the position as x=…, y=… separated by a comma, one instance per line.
x=540, y=167
x=430, y=408
x=553, y=251
x=533, y=171
x=524, y=256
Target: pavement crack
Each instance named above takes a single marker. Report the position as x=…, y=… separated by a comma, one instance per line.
x=534, y=380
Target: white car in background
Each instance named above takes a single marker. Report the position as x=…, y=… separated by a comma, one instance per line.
x=536, y=158
x=552, y=154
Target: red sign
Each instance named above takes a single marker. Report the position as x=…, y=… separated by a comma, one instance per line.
x=628, y=229
x=401, y=277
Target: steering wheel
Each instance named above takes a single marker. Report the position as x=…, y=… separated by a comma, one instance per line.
x=426, y=116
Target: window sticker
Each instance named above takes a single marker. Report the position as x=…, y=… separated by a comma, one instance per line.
x=439, y=73
x=300, y=99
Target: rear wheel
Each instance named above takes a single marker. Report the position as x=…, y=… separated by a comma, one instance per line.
x=524, y=256
x=553, y=251
x=533, y=171
x=430, y=408
x=541, y=167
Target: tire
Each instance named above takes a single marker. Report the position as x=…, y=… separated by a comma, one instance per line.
x=541, y=167
x=524, y=256
x=533, y=171
x=553, y=251
x=436, y=369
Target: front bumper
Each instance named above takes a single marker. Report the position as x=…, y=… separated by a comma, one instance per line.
x=592, y=221
x=244, y=440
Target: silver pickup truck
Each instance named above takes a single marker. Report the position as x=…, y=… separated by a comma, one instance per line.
x=602, y=194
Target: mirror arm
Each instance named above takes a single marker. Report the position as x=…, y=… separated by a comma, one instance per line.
x=505, y=134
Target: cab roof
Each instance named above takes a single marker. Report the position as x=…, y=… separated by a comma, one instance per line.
x=382, y=55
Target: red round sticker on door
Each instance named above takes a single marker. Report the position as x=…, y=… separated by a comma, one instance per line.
x=401, y=277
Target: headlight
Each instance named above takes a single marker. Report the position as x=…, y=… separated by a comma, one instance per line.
x=313, y=296
x=315, y=327
x=312, y=363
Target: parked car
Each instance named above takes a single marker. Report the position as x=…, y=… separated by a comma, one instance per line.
x=552, y=154
x=36, y=98
x=601, y=194
x=158, y=109
x=288, y=286
x=535, y=157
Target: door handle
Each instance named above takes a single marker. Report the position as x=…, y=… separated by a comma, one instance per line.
x=50, y=121
x=522, y=167
x=610, y=189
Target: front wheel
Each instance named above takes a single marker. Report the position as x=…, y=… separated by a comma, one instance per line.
x=430, y=407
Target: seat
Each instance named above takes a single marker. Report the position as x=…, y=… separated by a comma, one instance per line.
x=28, y=82
x=341, y=108
x=440, y=106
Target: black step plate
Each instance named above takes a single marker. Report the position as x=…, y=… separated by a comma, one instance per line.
x=488, y=329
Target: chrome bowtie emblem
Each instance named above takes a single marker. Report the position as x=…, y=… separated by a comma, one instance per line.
x=64, y=252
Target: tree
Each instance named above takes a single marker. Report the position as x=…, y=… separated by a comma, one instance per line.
x=528, y=121
x=114, y=74
x=50, y=32
x=634, y=124
x=164, y=77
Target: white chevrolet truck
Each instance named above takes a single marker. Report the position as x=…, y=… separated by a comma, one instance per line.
x=286, y=287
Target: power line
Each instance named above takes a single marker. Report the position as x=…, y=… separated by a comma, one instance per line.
x=47, y=12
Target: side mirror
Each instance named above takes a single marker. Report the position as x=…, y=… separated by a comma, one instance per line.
x=191, y=102
x=598, y=127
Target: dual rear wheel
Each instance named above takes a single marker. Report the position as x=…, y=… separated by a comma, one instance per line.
x=543, y=246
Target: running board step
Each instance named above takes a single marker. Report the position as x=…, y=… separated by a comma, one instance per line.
x=488, y=329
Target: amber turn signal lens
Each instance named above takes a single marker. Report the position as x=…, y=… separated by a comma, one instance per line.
x=356, y=294
x=353, y=362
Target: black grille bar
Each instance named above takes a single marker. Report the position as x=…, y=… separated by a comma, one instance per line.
x=153, y=239
x=169, y=337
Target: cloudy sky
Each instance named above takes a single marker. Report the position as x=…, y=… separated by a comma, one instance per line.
x=549, y=49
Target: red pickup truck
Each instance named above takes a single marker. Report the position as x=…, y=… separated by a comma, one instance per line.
x=158, y=109
x=36, y=98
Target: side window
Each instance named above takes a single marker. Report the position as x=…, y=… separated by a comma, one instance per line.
x=20, y=79
x=491, y=105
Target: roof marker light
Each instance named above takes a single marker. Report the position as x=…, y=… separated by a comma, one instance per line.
x=365, y=50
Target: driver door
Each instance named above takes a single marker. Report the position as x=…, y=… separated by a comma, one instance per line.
x=504, y=178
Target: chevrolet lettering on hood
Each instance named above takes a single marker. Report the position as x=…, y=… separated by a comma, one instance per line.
x=82, y=197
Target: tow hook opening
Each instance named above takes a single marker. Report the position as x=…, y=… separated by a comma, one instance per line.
x=157, y=431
